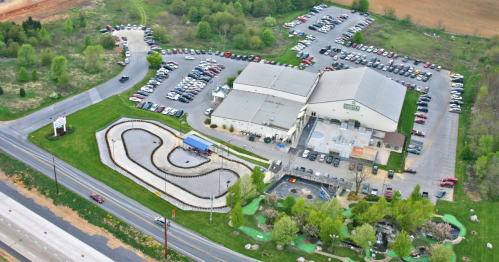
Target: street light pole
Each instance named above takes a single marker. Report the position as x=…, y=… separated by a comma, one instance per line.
x=112, y=140
x=332, y=242
x=132, y=117
x=55, y=176
x=211, y=209
x=228, y=148
x=166, y=241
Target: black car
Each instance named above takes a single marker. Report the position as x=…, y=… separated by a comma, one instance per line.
x=441, y=194
x=417, y=62
x=313, y=156
x=336, y=162
x=375, y=170
x=217, y=53
x=390, y=174
x=360, y=167
x=183, y=99
x=179, y=113
x=238, y=57
x=233, y=56
x=312, y=28
x=302, y=169
x=123, y=79
x=422, y=109
x=251, y=58
x=244, y=58
x=329, y=159
x=423, y=104
x=203, y=52
x=142, y=93
x=187, y=97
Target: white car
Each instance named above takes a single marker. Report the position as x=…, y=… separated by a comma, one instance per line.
x=135, y=99
x=134, y=27
x=455, y=110
x=163, y=52
x=306, y=153
x=458, y=85
x=189, y=58
x=456, y=97
x=419, y=78
x=146, y=89
x=129, y=27
x=154, y=107
x=208, y=111
x=172, y=112
x=127, y=61
x=454, y=106
x=211, y=60
x=127, y=54
x=335, y=57
x=166, y=111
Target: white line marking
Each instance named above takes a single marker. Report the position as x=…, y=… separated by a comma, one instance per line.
x=45, y=247
x=3, y=235
x=31, y=254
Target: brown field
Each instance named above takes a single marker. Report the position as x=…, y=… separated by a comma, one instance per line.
x=43, y=10
x=474, y=17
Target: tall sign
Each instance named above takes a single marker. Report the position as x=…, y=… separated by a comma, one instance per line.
x=58, y=123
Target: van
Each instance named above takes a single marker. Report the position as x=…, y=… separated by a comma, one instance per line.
x=104, y=31
x=161, y=221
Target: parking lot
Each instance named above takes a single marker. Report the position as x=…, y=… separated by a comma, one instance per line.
x=437, y=159
x=299, y=187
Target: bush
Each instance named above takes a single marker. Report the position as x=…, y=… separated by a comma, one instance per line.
x=23, y=75
x=231, y=128
x=213, y=126
x=107, y=41
x=224, y=126
x=55, y=95
x=438, y=47
x=207, y=121
x=1, y=91
x=22, y=92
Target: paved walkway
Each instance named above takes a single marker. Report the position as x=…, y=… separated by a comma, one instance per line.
x=159, y=158
x=39, y=240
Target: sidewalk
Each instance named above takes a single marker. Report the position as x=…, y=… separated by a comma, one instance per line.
x=39, y=240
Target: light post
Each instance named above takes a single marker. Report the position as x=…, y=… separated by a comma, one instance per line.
x=112, y=140
x=132, y=116
x=219, y=175
x=332, y=242
x=228, y=148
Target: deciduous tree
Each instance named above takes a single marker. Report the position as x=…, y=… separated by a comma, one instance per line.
x=248, y=189
x=87, y=42
x=257, y=177
x=107, y=41
x=402, y=245
x=240, y=41
x=271, y=199
x=26, y=55
x=311, y=230
x=270, y=215
x=237, y=217
x=416, y=194
x=255, y=42
x=360, y=208
x=160, y=34
x=203, y=30
x=59, y=66
x=189, y=34
x=233, y=194
x=64, y=79
x=315, y=217
x=284, y=231
x=288, y=203
x=364, y=5
x=270, y=21
x=358, y=38
x=267, y=37
x=34, y=75
x=47, y=57
x=23, y=75
x=94, y=61
x=330, y=227
x=69, y=26
x=364, y=236
x=372, y=215
x=441, y=253
x=154, y=59
x=300, y=206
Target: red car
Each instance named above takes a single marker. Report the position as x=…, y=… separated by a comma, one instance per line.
x=97, y=198
x=354, y=45
x=410, y=170
x=381, y=51
x=450, y=179
x=117, y=38
x=425, y=90
x=390, y=55
x=160, y=109
x=419, y=121
x=417, y=133
x=310, y=58
x=180, y=51
x=257, y=59
x=138, y=96
x=389, y=192
x=427, y=64
x=305, y=61
x=447, y=184
x=228, y=54
x=174, y=50
x=421, y=115
x=301, y=19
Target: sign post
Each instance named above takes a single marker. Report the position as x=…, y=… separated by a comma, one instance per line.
x=58, y=123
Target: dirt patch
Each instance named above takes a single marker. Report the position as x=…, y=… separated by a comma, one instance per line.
x=474, y=233
x=70, y=216
x=474, y=196
x=479, y=15
x=43, y=10
x=470, y=172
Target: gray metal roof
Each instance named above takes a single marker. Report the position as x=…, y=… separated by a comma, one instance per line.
x=279, y=78
x=258, y=108
x=363, y=85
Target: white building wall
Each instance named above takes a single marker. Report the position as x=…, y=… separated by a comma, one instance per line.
x=366, y=116
x=251, y=127
x=272, y=92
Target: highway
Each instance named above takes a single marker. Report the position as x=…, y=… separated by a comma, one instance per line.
x=13, y=141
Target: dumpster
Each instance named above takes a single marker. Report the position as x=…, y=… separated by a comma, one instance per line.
x=251, y=138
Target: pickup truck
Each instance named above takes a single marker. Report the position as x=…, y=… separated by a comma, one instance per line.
x=424, y=195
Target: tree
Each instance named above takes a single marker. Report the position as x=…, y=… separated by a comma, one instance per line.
x=315, y=217
x=34, y=75
x=281, y=215
x=270, y=215
x=69, y=26
x=238, y=7
x=372, y=215
x=203, y=30
x=237, y=217
x=81, y=19
x=233, y=194
x=230, y=81
x=22, y=92
x=485, y=146
x=464, y=55
x=402, y=245
x=43, y=33
x=358, y=38
x=438, y=47
x=107, y=41
x=267, y=37
x=193, y=14
x=1, y=91
x=288, y=203
x=26, y=55
x=364, y=235
x=257, y=177
x=248, y=189
x=59, y=66
x=87, y=42
x=416, y=195
x=300, y=220
x=441, y=253
x=261, y=8
x=183, y=20
x=332, y=208
x=94, y=58
x=360, y=208
x=47, y=57
x=330, y=228
x=391, y=13
x=240, y=41
x=255, y=42
x=311, y=230
x=466, y=154
x=271, y=199
x=270, y=21
x=189, y=34
x=438, y=231
x=284, y=231
x=16, y=34
x=299, y=207
x=364, y=5
x=63, y=80
x=33, y=41
x=355, y=4
x=154, y=59
x=493, y=55
x=160, y=34
x=23, y=75
x=178, y=7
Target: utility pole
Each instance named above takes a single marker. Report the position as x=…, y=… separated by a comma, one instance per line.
x=112, y=140
x=55, y=175
x=228, y=148
x=166, y=241
x=211, y=209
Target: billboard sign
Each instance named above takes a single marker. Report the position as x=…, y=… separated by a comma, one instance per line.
x=351, y=107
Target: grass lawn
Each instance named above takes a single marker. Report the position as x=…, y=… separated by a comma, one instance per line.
x=347, y=252
x=418, y=242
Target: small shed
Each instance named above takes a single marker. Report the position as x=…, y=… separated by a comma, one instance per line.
x=393, y=141
x=197, y=143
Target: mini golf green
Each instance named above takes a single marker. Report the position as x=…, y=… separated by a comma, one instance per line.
x=261, y=220
x=344, y=232
x=257, y=235
x=309, y=248
x=453, y=220
x=252, y=207
x=347, y=213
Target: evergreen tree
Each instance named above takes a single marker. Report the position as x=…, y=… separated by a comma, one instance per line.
x=23, y=75
x=22, y=92
x=237, y=217
x=69, y=26
x=183, y=19
x=87, y=42
x=34, y=75
x=1, y=91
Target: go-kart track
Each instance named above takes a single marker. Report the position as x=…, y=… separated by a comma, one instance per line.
x=153, y=156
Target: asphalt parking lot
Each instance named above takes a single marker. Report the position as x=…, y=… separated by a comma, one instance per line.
x=307, y=189
x=438, y=155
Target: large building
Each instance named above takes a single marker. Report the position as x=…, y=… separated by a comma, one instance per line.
x=360, y=94
x=274, y=100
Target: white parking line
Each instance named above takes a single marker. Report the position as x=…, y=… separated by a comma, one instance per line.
x=31, y=254
x=3, y=235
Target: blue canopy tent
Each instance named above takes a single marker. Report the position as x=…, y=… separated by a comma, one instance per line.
x=197, y=143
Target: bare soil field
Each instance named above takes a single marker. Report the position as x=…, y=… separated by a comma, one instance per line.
x=474, y=17
x=43, y=10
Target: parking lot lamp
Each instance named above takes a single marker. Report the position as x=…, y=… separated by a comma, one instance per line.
x=132, y=116
x=332, y=241
x=112, y=140
x=228, y=148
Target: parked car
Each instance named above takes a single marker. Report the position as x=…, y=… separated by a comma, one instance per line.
x=441, y=194
x=389, y=192
x=450, y=179
x=410, y=170
x=421, y=115
x=360, y=167
x=413, y=151
x=365, y=189
x=208, y=111
x=417, y=132
x=391, y=173
x=352, y=166
x=375, y=170
x=336, y=162
x=447, y=184
x=374, y=191
x=322, y=158
x=306, y=153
